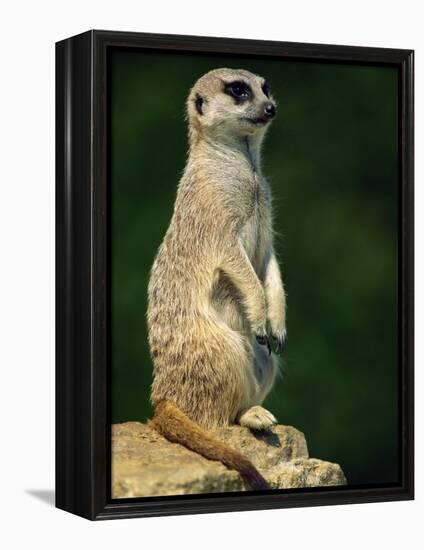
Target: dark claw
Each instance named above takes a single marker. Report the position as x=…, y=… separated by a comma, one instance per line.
x=263, y=340
x=281, y=340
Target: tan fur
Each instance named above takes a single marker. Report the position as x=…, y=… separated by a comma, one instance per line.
x=215, y=281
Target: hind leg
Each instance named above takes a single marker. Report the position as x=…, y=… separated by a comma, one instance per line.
x=256, y=418
x=264, y=369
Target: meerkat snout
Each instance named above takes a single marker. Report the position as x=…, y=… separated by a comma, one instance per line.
x=270, y=110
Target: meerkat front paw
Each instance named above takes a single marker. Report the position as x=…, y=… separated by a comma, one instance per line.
x=280, y=338
x=263, y=340
x=256, y=418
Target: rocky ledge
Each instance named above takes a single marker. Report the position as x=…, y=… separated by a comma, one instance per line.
x=146, y=464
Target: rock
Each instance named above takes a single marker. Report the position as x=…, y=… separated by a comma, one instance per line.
x=146, y=464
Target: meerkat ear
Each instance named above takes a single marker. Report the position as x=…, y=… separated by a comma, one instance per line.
x=198, y=102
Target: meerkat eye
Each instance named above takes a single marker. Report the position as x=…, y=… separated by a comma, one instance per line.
x=198, y=102
x=265, y=88
x=239, y=90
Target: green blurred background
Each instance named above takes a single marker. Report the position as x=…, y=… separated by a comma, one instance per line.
x=331, y=159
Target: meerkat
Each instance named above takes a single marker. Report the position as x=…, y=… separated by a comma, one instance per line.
x=215, y=286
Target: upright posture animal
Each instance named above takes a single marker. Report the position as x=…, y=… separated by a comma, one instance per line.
x=215, y=285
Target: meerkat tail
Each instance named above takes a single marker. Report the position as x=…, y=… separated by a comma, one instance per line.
x=175, y=426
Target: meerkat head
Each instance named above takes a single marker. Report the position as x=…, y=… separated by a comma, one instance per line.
x=232, y=103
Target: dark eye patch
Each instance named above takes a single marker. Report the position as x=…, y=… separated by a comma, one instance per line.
x=265, y=88
x=198, y=102
x=239, y=90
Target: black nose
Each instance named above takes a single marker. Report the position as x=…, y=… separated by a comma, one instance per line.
x=269, y=110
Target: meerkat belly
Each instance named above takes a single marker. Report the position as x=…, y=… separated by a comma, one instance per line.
x=250, y=236
x=226, y=298
x=227, y=302
x=255, y=233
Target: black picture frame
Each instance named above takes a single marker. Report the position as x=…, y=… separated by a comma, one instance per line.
x=83, y=428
